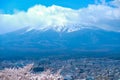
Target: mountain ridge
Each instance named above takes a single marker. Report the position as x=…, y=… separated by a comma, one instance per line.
x=81, y=36
x=51, y=42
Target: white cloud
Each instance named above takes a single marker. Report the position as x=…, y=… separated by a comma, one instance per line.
x=102, y=16
x=115, y=3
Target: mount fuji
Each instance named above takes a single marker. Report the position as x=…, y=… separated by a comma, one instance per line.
x=63, y=40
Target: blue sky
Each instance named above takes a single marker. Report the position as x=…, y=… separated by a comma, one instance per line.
x=8, y=6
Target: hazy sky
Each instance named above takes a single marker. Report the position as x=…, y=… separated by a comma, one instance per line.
x=16, y=14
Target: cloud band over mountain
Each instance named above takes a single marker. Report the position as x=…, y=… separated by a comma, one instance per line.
x=105, y=16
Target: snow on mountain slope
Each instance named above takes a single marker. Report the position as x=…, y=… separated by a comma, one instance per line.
x=66, y=28
x=57, y=28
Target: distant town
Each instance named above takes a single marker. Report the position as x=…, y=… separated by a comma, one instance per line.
x=72, y=68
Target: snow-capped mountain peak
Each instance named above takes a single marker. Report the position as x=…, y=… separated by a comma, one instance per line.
x=64, y=28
